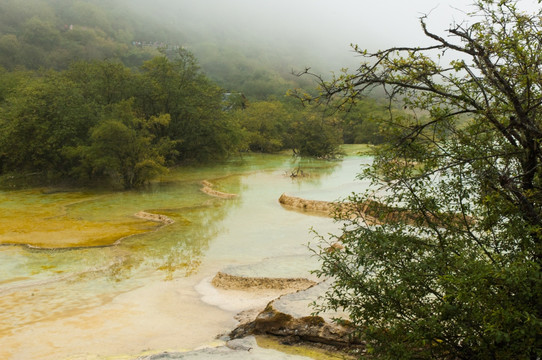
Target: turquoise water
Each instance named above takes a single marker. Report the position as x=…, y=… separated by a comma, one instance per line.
x=139, y=288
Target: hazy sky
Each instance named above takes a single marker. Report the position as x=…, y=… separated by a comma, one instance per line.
x=382, y=22
x=322, y=27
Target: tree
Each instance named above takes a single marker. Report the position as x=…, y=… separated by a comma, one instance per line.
x=361, y=124
x=40, y=118
x=103, y=82
x=198, y=123
x=40, y=33
x=122, y=148
x=443, y=261
x=266, y=124
x=313, y=133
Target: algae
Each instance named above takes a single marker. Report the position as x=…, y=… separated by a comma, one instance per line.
x=270, y=342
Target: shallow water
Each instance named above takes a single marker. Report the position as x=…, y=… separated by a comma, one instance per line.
x=98, y=282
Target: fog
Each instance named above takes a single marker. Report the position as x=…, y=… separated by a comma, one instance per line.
x=290, y=35
x=311, y=31
x=317, y=23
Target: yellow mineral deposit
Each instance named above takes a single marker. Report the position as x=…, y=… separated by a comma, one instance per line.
x=44, y=221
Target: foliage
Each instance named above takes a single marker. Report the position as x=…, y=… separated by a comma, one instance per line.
x=266, y=124
x=121, y=146
x=39, y=119
x=363, y=121
x=316, y=134
x=454, y=270
x=101, y=120
x=272, y=126
x=178, y=87
x=51, y=34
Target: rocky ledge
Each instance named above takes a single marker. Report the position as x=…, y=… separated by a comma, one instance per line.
x=233, y=282
x=289, y=318
x=154, y=217
x=331, y=208
x=207, y=188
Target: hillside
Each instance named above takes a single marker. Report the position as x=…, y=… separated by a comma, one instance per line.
x=51, y=34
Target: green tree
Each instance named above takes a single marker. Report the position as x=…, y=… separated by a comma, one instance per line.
x=10, y=51
x=362, y=122
x=199, y=126
x=41, y=117
x=266, y=124
x=103, y=82
x=40, y=33
x=121, y=147
x=452, y=270
x=313, y=133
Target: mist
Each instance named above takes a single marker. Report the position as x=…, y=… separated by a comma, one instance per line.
x=307, y=32
x=251, y=46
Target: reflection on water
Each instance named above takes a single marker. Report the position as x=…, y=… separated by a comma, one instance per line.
x=47, y=291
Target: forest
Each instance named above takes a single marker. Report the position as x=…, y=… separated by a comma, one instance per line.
x=91, y=94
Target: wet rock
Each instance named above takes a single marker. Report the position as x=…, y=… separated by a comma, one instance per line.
x=289, y=317
x=330, y=208
x=373, y=212
x=247, y=289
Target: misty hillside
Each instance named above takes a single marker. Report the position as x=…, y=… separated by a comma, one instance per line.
x=53, y=33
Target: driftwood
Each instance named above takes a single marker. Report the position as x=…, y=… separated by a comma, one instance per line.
x=297, y=172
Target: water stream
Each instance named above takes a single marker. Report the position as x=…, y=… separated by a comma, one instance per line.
x=82, y=278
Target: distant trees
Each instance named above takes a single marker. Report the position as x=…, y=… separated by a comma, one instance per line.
x=272, y=126
x=57, y=119
x=102, y=120
x=364, y=123
x=52, y=34
x=195, y=104
x=40, y=117
x=266, y=124
x=49, y=34
x=122, y=147
x=316, y=134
